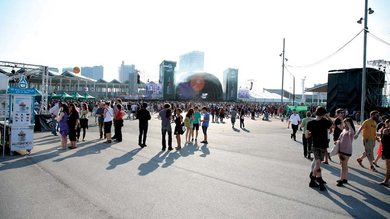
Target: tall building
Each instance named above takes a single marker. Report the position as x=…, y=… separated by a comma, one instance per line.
x=128, y=73
x=167, y=79
x=94, y=72
x=191, y=62
x=230, y=84
x=70, y=69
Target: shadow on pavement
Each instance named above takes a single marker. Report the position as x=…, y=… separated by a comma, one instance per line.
x=245, y=130
x=235, y=129
x=123, y=159
x=205, y=150
x=152, y=164
x=84, y=150
x=353, y=206
x=354, y=178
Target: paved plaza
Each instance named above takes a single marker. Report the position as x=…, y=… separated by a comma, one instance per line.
x=258, y=172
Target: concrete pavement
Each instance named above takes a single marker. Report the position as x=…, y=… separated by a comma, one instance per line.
x=254, y=173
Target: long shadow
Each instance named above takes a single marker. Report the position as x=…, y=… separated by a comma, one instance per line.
x=246, y=130
x=170, y=159
x=356, y=178
x=123, y=159
x=371, y=199
x=188, y=149
x=353, y=206
x=236, y=129
x=152, y=164
x=85, y=150
x=28, y=160
x=205, y=150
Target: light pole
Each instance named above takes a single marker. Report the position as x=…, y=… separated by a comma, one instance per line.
x=364, y=92
x=283, y=59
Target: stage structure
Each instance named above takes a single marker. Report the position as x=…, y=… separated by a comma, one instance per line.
x=345, y=89
x=18, y=70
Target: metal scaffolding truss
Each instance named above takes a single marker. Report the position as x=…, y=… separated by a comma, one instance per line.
x=14, y=70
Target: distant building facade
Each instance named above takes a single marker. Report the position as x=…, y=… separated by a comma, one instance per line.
x=128, y=74
x=94, y=72
x=191, y=62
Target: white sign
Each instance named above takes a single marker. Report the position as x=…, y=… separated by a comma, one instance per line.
x=22, y=112
x=21, y=138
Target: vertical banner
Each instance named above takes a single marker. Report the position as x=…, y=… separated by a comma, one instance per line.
x=22, y=110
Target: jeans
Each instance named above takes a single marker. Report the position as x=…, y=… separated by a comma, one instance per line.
x=164, y=132
x=143, y=132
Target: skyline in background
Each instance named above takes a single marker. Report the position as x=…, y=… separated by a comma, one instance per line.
x=246, y=35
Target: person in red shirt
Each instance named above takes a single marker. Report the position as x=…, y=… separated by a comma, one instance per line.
x=119, y=114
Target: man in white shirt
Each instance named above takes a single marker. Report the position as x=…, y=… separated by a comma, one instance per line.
x=108, y=117
x=294, y=121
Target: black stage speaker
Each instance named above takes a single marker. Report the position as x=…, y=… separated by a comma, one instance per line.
x=345, y=88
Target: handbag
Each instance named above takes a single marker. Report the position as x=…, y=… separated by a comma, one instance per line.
x=183, y=129
x=335, y=149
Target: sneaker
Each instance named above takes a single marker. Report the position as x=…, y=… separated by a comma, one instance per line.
x=170, y=148
x=339, y=183
x=163, y=148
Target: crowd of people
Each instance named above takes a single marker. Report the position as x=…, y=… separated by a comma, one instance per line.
x=316, y=138
x=318, y=128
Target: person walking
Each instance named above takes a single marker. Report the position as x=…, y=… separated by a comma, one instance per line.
x=166, y=115
x=62, y=120
x=369, y=137
x=385, y=139
x=108, y=117
x=242, y=117
x=197, y=116
x=307, y=142
x=120, y=113
x=188, y=123
x=84, y=119
x=318, y=130
x=143, y=116
x=205, y=124
x=73, y=124
x=233, y=115
x=294, y=121
x=345, y=148
x=178, y=128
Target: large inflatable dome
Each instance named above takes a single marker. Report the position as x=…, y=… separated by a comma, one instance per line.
x=197, y=86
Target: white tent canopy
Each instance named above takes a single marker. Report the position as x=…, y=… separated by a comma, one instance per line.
x=256, y=96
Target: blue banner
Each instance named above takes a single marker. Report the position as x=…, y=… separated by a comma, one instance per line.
x=16, y=90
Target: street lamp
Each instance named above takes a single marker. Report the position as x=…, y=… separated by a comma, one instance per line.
x=364, y=92
x=283, y=60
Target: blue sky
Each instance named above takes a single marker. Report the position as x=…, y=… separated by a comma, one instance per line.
x=241, y=34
